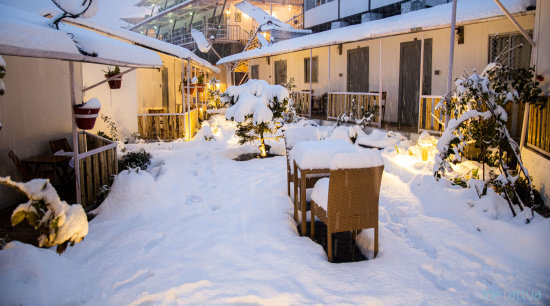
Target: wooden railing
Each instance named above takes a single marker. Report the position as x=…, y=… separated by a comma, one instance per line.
x=167, y=126
x=430, y=119
x=97, y=162
x=538, y=130
x=340, y=102
x=302, y=102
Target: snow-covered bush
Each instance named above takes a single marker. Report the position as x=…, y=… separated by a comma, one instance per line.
x=214, y=94
x=58, y=223
x=258, y=108
x=478, y=109
x=364, y=117
x=131, y=160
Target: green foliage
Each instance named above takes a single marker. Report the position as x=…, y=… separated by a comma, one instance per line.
x=131, y=160
x=214, y=95
x=200, y=79
x=102, y=134
x=479, y=106
x=460, y=182
x=113, y=131
x=110, y=72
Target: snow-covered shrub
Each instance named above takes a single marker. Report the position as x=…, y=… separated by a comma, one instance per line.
x=131, y=160
x=58, y=223
x=258, y=108
x=478, y=109
x=291, y=116
x=214, y=94
x=364, y=117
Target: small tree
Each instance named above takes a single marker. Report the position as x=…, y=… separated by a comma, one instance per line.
x=258, y=108
x=478, y=109
x=214, y=94
x=58, y=223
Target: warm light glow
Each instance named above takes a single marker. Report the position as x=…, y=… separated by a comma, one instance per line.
x=227, y=12
x=289, y=8
x=262, y=150
x=264, y=34
x=217, y=85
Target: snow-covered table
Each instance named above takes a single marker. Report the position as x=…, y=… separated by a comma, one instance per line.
x=313, y=157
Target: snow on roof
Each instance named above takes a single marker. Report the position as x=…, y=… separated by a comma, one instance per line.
x=266, y=21
x=144, y=41
x=437, y=16
x=27, y=34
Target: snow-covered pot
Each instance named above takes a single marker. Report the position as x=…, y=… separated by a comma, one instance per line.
x=86, y=114
x=114, y=83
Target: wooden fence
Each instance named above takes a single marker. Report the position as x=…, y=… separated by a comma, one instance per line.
x=167, y=126
x=538, y=130
x=97, y=162
x=340, y=102
x=302, y=102
x=432, y=120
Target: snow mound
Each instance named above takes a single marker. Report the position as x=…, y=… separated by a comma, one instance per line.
x=342, y=132
x=296, y=134
x=201, y=41
x=363, y=159
x=319, y=154
x=92, y=103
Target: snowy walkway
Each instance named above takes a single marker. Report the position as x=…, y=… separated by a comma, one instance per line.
x=206, y=229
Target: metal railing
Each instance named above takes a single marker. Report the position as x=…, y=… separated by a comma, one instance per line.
x=220, y=32
x=97, y=162
x=340, y=102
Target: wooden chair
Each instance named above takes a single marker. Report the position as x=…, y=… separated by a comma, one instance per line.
x=26, y=171
x=351, y=202
x=60, y=144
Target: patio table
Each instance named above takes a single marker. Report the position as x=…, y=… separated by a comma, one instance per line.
x=57, y=162
x=313, y=157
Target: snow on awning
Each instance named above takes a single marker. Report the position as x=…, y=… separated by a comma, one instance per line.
x=266, y=21
x=143, y=41
x=435, y=17
x=29, y=35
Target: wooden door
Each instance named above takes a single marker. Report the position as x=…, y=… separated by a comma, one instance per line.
x=409, y=80
x=280, y=72
x=358, y=70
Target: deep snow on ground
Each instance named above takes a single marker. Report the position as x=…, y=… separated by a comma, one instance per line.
x=199, y=227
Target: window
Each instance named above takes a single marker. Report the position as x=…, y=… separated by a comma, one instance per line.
x=255, y=72
x=309, y=4
x=511, y=50
x=314, y=69
x=238, y=16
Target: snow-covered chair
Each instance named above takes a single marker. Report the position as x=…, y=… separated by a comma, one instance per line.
x=292, y=136
x=348, y=199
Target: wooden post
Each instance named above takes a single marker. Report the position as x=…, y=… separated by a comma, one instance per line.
x=329, y=87
x=525, y=124
x=75, y=135
x=451, y=56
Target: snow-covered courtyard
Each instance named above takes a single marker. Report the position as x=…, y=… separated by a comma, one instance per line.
x=199, y=227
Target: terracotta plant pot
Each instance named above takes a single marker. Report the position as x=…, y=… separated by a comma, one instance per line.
x=201, y=88
x=85, y=117
x=115, y=83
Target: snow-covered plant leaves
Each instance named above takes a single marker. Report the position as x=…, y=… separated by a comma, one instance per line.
x=131, y=160
x=478, y=112
x=363, y=118
x=258, y=108
x=58, y=223
x=214, y=94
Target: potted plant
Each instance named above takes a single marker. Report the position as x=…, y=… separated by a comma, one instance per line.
x=183, y=88
x=201, y=83
x=114, y=83
x=85, y=114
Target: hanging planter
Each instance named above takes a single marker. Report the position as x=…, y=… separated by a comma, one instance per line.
x=85, y=114
x=115, y=83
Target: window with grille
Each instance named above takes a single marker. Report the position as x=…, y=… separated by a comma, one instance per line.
x=511, y=50
x=255, y=72
x=314, y=69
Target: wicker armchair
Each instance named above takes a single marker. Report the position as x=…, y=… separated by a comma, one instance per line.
x=350, y=199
